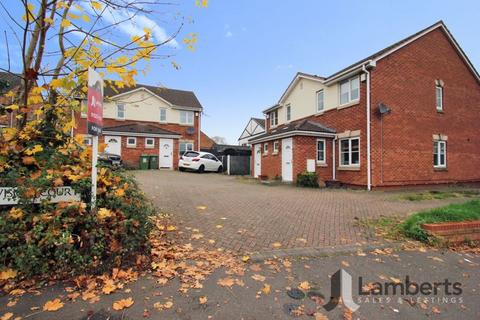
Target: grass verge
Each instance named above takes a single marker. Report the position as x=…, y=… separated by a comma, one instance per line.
x=439, y=195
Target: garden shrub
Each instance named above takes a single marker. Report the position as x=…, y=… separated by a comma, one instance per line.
x=61, y=238
x=307, y=179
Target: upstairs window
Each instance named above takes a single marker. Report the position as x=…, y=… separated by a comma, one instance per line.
x=440, y=154
x=321, y=151
x=274, y=118
x=349, y=90
x=163, y=115
x=120, y=111
x=350, y=152
x=320, y=103
x=289, y=112
x=265, y=148
x=186, y=117
x=439, y=97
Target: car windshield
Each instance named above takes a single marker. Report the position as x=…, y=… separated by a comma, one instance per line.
x=191, y=154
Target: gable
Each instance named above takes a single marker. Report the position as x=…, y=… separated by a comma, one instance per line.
x=252, y=128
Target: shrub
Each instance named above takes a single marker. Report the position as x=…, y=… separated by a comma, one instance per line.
x=307, y=179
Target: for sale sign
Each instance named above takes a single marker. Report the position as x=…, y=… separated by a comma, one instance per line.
x=95, y=103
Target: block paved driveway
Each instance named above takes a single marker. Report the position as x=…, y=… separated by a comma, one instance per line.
x=245, y=216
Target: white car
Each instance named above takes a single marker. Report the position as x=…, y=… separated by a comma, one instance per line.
x=199, y=161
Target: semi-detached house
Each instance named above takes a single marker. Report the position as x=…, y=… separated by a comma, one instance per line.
x=147, y=120
x=407, y=115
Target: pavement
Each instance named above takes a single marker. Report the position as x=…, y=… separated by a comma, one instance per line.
x=244, y=216
x=248, y=301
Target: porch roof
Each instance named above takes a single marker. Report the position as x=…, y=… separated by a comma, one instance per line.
x=302, y=127
x=136, y=129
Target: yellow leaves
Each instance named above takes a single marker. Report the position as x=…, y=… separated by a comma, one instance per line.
x=245, y=258
x=258, y=277
x=65, y=23
x=160, y=306
x=30, y=8
x=7, y=274
x=201, y=3
x=15, y=213
x=96, y=5
x=6, y=316
x=28, y=160
x=305, y=285
x=85, y=18
x=122, y=60
x=202, y=300
x=276, y=245
x=266, y=288
x=104, y=213
x=119, y=192
x=219, y=226
x=53, y=305
x=37, y=148
x=201, y=207
x=73, y=16
x=109, y=287
x=226, y=282
x=17, y=292
x=190, y=41
x=171, y=228
x=123, y=304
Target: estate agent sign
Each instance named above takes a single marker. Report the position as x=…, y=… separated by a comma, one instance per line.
x=95, y=103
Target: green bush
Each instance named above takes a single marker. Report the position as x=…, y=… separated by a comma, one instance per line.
x=307, y=179
x=412, y=227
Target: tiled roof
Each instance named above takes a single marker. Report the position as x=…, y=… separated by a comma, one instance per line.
x=298, y=126
x=176, y=97
x=260, y=121
x=139, y=128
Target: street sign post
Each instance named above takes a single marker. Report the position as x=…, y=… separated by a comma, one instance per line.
x=94, y=122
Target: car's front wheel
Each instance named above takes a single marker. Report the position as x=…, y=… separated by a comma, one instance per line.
x=181, y=169
x=220, y=169
x=201, y=169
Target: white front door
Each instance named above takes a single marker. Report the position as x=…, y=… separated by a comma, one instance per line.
x=257, y=169
x=166, y=153
x=287, y=163
x=114, y=145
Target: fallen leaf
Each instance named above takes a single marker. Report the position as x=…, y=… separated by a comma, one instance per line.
x=276, y=244
x=197, y=236
x=436, y=259
x=53, y=305
x=11, y=303
x=17, y=292
x=202, y=300
x=226, y=282
x=320, y=316
x=245, y=258
x=258, y=277
x=395, y=280
x=201, y=207
x=7, y=316
x=109, y=287
x=219, y=226
x=122, y=304
x=255, y=267
x=304, y=285
x=436, y=310
x=266, y=288
x=171, y=228
x=7, y=274
x=211, y=241
x=345, y=264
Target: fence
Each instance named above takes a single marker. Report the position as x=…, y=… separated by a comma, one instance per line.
x=236, y=165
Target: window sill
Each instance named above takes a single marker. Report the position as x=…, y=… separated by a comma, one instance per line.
x=349, y=168
x=322, y=164
x=440, y=111
x=131, y=146
x=440, y=169
x=264, y=154
x=319, y=113
x=186, y=124
x=347, y=105
x=120, y=119
x=275, y=153
x=149, y=147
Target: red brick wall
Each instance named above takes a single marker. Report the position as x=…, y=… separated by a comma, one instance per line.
x=131, y=156
x=272, y=163
x=405, y=82
x=306, y=148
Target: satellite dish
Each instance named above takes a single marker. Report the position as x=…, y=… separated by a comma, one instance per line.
x=383, y=109
x=190, y=130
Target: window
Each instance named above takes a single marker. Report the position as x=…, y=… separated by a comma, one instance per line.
x=350, y=152
x=320, y=103
x=440, y=154
x=163, y=115
x=149, y=142
x=83, y=109
x=439, y=97
x=131, y=142
x=185, y=146
x=273, y=118
x=275, y=147
x=87, y=141
x=321, y=151
x=289, y=112
x=349, y=90
x=120, y=111
x=186, y=117
x=265, y=148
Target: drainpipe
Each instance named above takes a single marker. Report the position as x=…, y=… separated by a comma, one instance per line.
x=369, y=65
x=199, y=129
x=334, y=164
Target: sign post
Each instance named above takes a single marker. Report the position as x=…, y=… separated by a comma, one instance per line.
x=94, y=122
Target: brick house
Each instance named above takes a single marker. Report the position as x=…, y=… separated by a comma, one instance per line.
x=147, y=120
x=406, y=115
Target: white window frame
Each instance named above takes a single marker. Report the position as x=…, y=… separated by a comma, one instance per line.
x=318, y=100
x=349, y=100
x=150, y=146
x=188, y=147
x=265, y=148
x=350, y=164
x=275, y=147
x=324, y=151
x=274, y=116
x=288, y=112
x=124, y=107
x=437, y=143
x=132, y=145
x=439, y=89
x=164, y=111
x=189, y=116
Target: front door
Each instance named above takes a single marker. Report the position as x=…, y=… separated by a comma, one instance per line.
x=166, y=153
x=114, y=145
x=257, y=169
x=287, y=156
